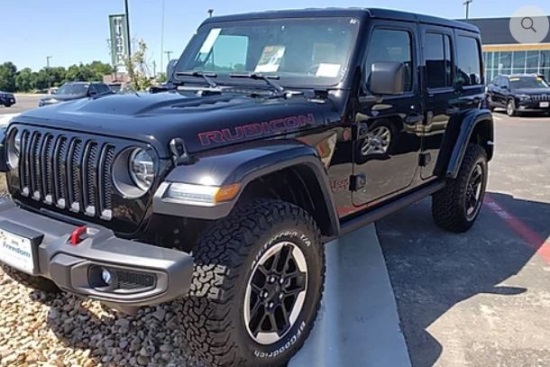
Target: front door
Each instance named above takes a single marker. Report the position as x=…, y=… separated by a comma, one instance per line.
x=388, y=136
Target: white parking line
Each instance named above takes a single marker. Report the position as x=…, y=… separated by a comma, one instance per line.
x=358, y=323
x=497, y=118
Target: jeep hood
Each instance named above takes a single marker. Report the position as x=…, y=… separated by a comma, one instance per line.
x=203, y=122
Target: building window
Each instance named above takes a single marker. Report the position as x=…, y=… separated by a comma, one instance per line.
x=519, y=59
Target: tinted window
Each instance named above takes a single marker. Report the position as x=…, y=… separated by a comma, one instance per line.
x=437, y=52
x=102, y=88
x=527, y=82
x=391, y=45
x=469, y=61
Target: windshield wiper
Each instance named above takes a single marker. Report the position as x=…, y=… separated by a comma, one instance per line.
x=281, y=91
x=200, y=74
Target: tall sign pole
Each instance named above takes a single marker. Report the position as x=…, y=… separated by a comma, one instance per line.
x=128, y=41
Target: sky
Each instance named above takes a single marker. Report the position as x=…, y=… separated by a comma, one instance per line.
x=74, y=31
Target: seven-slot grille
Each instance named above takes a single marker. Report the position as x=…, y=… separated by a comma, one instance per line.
x=540, y=97
x=70, y=172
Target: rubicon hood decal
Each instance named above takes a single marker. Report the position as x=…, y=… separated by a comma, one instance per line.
x=256, y=130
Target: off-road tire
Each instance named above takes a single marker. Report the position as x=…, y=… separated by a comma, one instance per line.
x=225, y=256
x=30, y=281
x=448, y=205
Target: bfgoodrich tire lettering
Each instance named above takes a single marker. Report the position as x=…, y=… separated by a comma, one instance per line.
x=451, y=207
x=225, y=259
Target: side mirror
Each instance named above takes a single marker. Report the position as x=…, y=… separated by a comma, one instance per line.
x=387, y=78
x=170, y=68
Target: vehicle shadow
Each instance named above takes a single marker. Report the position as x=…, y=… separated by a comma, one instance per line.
x=110, y=339
x=432, y=270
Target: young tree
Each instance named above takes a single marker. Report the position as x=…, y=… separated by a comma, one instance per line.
x=138, y=69
x=8, y=72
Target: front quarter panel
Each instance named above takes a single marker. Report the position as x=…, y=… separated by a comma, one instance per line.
x=225, y=167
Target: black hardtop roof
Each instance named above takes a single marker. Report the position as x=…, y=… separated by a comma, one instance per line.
x=361, y=13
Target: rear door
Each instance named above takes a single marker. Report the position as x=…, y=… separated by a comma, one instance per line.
x=443, y=102
x=439, y=92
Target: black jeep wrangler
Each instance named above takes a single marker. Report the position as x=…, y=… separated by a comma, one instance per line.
x=276, y=133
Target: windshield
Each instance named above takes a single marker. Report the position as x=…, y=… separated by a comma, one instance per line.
x=72, y=89
x=527, y=82
x=299, y=51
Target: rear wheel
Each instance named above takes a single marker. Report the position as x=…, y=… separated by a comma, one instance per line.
x=257, y=286
x=457, y=206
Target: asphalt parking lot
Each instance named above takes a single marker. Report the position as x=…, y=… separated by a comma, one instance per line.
x=24, y=102
x=480, y=298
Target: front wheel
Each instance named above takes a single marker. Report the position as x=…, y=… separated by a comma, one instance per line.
x=511, y=108
x=457, y=206
x=257, y=286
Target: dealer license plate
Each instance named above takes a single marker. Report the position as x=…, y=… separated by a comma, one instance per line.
x=545, y=104
x=16, y=251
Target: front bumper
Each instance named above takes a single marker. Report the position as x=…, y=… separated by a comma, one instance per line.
x=140, y=274
x=534, y=106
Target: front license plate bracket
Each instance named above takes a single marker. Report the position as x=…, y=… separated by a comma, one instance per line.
x=20, y=233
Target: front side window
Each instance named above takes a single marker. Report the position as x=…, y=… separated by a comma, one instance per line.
x=469, y=61
x=389, y=45
x=298, y=51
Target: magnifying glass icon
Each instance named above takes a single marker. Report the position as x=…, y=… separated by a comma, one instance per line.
x=527, y=23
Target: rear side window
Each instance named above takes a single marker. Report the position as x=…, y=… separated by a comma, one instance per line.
x=391, y=45
x=469, y=61
x=437, y=53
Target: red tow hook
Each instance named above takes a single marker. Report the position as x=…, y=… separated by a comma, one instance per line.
x=76, y=236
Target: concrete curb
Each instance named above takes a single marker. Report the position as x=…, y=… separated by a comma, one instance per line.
x=358, y=323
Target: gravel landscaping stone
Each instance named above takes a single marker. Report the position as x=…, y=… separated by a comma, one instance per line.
x=39, y=329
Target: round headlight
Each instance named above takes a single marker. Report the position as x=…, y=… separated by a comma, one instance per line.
x=17, y=142
x=14, y=148
x=142, y=169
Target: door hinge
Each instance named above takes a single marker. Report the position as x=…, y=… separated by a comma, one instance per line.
x=424, y=159
x=357, y=182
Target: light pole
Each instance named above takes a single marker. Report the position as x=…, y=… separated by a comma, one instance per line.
x=162, y=37
x=467, y=4
x=48, y=71
x=168, y=53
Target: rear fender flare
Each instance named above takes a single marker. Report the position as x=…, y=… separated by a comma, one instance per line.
x=459, y=134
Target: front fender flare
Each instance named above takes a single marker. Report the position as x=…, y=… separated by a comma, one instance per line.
x=226, y=167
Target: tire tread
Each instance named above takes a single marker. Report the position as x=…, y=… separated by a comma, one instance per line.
x=219, y=255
